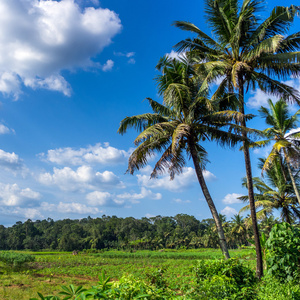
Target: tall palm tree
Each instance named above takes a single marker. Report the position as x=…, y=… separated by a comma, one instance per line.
x=285, y=141
x=245, y=54
x=177, y=128
x=274, y=193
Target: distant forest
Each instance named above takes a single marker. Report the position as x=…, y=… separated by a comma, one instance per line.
x=179, y=232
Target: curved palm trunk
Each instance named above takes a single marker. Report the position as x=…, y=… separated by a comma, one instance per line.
x=209, y=200
x=259, y=259
x=292, y=177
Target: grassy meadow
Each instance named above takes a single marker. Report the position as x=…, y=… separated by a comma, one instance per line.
x=52, y=270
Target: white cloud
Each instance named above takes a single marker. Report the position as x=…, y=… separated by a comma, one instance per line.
x=47, y=38
x=180, y=182
x=260, y=98
x=13, y=195
x=181, y=201
x=228, y=211
x=96, y=154
x=5, y=130
x=28, y=213
x=232, y=198
x=11, y=162
x=69, y=207
x=108, y=65
x=208, y=176
x=129, y=55
x=81, y=179
x=103, y=199
x=135, y=197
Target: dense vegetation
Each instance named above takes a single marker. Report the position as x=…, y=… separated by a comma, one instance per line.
x=181, y=231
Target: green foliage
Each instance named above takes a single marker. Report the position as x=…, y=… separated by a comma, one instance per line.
x=229, y=279
x=126, y=289
x=283, y=247
x=15, y=260
x=272, y=289
x=156, y=278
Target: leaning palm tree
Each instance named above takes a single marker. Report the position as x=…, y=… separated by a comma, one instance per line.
x=281, y=131
x=274, y=192
x=246, y=54
x=177, y=127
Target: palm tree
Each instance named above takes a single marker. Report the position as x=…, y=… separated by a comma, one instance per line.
x=285, y=140
x=274, y=193
x=177, y=127
x=245, y=54
x=238, y=229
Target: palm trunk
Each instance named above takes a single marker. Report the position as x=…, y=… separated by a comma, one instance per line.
x=259, y=259
x=209, y=200
x=292, y=178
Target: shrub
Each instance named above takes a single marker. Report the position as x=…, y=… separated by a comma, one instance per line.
x=272, y=289
x=283, y=251
x=16, y=260
x=229, y=279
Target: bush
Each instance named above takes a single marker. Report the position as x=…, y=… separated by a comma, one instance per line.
x=229, y=279
x=16, y=260
x=272, y=289
x=126, y=288
x=283, y=250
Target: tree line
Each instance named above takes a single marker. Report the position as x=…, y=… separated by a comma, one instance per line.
x=179, y=232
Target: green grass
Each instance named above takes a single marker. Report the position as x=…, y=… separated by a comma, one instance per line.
x=51, y=270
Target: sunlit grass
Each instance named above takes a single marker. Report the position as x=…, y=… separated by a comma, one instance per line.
x=51, y=270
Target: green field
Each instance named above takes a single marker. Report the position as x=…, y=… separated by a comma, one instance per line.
x=51, y=270
x=174, y=274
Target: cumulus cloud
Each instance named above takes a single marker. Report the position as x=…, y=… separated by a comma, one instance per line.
x=135, y=197
x=209, y=176
x=81, y=179
x=259, y=98
x=11, y=162
x=182, y=181
x=228, y=211
x=69, y=207
x=96, y=154
x=28, y=213
x=103, y=199
x=12, y=195
x=232, y=198
x=50, y=36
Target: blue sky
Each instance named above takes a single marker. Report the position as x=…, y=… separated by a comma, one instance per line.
x=70, y=71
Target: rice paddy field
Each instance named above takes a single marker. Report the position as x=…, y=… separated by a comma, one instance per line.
x=52, y=270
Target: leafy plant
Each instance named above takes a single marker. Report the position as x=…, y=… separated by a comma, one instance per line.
x=15, y=260
x=219, y=279
x=283, y=247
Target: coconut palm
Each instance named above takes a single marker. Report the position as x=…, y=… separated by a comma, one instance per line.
x=274, y=193
x=285, y=140
x=177, y=128
x=238, y=229
x=245, y=54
